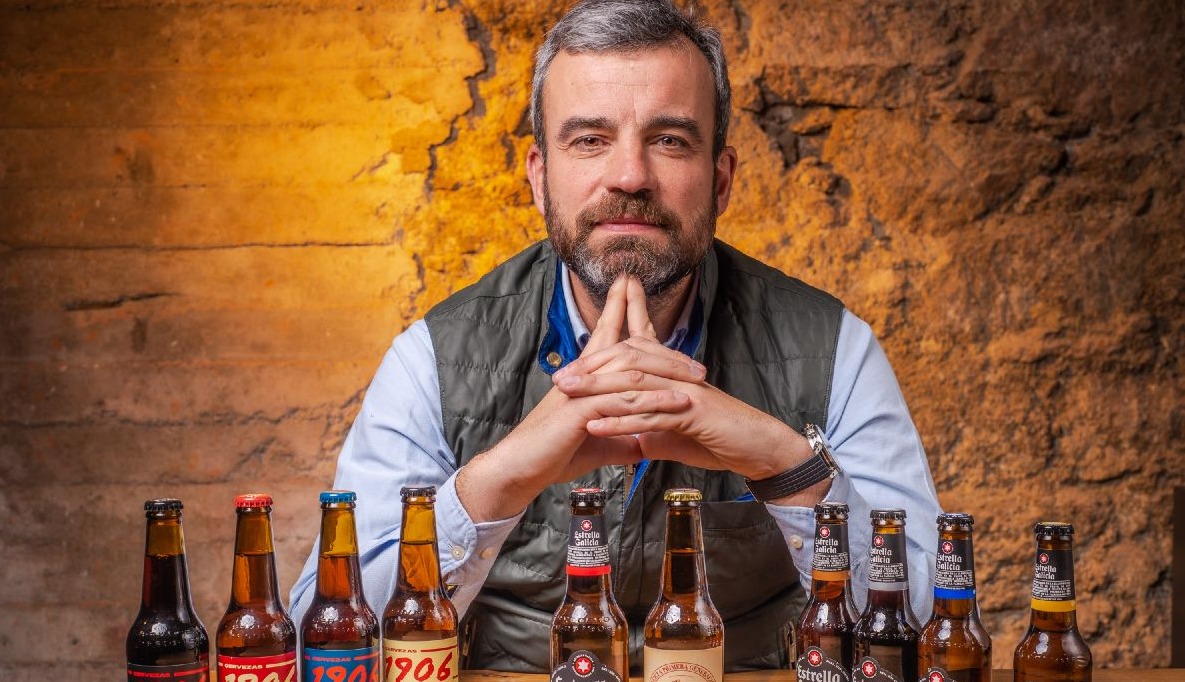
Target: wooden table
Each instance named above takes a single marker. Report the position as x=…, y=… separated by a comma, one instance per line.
x=1100, y=675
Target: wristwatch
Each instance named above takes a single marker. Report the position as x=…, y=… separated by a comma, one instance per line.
x=820, y=467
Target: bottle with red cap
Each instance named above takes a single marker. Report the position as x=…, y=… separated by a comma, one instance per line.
x=256, y=639
x=167, y=641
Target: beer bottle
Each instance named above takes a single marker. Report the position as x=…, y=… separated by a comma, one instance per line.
x=339, y=633
x=589, y=635
x=886, y=638
x=167, y=641
x=419, y=623
x=954, y=646
x=1052, y=650
x=255, y=635
x=824, y=630
x=683, y=634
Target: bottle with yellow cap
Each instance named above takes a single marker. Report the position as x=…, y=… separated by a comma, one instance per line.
x=684, y=633
x=256, y=636
x=1053, y=650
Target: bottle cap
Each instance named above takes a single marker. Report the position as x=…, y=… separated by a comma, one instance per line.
x=163, y=504
x=253, y=501
x=428, y=491
x=682, y=495
x=956, y=519
x=1053, y=529
x=338, y=497
x=587, y=497
x=832, y=510
x=887, y=514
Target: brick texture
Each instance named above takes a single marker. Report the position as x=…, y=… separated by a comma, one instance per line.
x=216, y=215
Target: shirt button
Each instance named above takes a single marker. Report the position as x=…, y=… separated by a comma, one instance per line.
x=458, y=552
x=795, y=542
x=487, y=552
x=554, y=359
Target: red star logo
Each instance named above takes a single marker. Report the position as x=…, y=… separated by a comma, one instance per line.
x=868, y=668
x=814, y=657
x=1043, y=558
x=878, y=540
x=824, y=532
x=936, y=677
x=586, y=525
x=947, y=547
x=583, y=666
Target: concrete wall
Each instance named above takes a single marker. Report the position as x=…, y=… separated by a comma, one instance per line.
x=214, y=216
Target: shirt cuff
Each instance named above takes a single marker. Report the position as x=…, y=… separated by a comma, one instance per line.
x=798, y=526
x=467, y=549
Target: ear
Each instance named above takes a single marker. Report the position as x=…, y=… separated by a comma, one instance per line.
x=535, y=171
x=726, y=168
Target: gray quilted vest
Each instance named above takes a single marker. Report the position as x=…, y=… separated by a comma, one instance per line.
x=768, y=340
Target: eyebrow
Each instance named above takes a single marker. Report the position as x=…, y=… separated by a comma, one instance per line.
x=577, y=123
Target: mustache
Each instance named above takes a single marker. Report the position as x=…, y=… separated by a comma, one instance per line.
x=616, y=206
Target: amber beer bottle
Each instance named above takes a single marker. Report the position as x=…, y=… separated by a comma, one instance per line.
x=954, y=646
x=340, y=633
x=419, y=623
x=683, y=634
x=589, y=635
x=256, y=640
x=824, y=630
x=1052, y=650
x=886, y=636
x=167, y=640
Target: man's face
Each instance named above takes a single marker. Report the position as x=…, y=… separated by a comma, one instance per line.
x=629, y=185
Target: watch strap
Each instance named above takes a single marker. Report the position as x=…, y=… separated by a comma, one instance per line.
x=819, y=467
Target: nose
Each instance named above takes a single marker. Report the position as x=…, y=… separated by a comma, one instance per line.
x=629, y=169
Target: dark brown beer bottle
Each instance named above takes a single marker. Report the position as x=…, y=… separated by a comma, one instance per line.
x=1052, y=650
x=824, y=630
x=419, y=623
x=256, y=636
x=683, y=634
x=886, y=637
x=167, y=640
x=954, y=646
x=340, y=633
x=589, y=635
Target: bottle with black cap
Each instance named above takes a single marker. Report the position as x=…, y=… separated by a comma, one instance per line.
x=1052, y=650
x=954, y=646
x=886, y=636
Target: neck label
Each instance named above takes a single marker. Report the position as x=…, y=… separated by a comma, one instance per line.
x=954, y=575
x=1053, y=580
x=588, y=546
x=831, y=548
x=886, y=563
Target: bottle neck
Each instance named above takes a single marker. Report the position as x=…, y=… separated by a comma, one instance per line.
x=253, y=579
x=954, y=608
x=339, y=577
x=830, y=589
x=166, y=577
x=954, y=576
x=419, y=559
x=683, y=571
x=1053, y=621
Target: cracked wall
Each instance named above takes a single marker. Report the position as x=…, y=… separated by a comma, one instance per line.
x=216, y=216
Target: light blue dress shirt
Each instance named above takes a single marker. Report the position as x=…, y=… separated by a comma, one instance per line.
x=398, y=439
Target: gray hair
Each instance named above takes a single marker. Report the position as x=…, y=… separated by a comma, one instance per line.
x=629, y=25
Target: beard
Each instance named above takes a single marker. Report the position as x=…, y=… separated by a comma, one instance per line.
x=658, y=266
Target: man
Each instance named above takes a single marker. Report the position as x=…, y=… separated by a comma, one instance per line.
x=703, y=369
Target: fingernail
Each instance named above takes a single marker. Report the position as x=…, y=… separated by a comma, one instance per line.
x=698, y=370
x=568, y=382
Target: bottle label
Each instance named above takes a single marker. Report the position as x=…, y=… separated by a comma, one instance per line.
x=340, y=665
x=954, y=574
x=588, y=546
x=584, y=666
x=1053, y=580
x=420, y=661
x=884, y=667
x=831, y=550
x=672, y=665
x=886, y=563
x=279, y=668
x=937, y=675
x=814, y=665
x=184, y=672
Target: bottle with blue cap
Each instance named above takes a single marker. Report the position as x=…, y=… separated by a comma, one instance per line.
x=340, y=632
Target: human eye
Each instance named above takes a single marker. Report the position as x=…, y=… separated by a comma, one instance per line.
x=671, y=142
x=587, y=143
